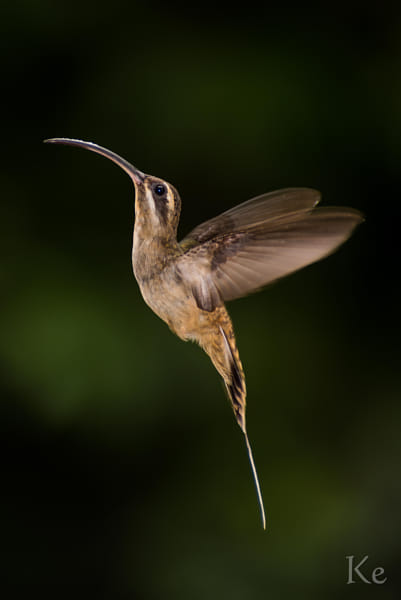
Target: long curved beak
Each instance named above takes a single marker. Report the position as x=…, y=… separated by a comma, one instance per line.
x=136, y=175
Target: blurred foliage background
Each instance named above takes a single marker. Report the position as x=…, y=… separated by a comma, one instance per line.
x=124, y=474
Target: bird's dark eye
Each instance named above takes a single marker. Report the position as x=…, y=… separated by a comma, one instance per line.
x=160, y=190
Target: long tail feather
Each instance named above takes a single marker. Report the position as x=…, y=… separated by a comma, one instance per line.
x=236, y=389
x=256, y=480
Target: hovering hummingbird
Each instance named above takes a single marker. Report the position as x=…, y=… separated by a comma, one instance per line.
x=238, y=252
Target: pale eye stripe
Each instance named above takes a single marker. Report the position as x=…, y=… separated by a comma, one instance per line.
x=170, y=199
x=151, y=204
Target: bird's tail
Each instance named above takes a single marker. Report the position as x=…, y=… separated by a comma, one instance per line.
x=256, y=480
x=233, y=376
x=234, y=380
x=221, y=347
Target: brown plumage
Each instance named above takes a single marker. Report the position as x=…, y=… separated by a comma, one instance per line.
x=236, y=253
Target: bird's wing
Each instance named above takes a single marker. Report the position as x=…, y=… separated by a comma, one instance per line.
x=279, y=234
x=267, y=207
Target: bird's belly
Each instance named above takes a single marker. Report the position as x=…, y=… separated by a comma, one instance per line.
x=175, y=305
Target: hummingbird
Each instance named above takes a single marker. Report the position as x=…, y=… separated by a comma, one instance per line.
x=187, y=283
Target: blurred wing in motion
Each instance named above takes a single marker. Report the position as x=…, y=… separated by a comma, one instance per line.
x=267, y=207
x=260, y=241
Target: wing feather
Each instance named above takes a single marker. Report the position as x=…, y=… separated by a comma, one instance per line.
x=267, y=207
x=268, y=238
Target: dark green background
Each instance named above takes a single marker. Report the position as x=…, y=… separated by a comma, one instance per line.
x=123, y=472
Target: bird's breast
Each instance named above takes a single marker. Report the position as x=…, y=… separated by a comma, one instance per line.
x=168, y=296
x=166, y=290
